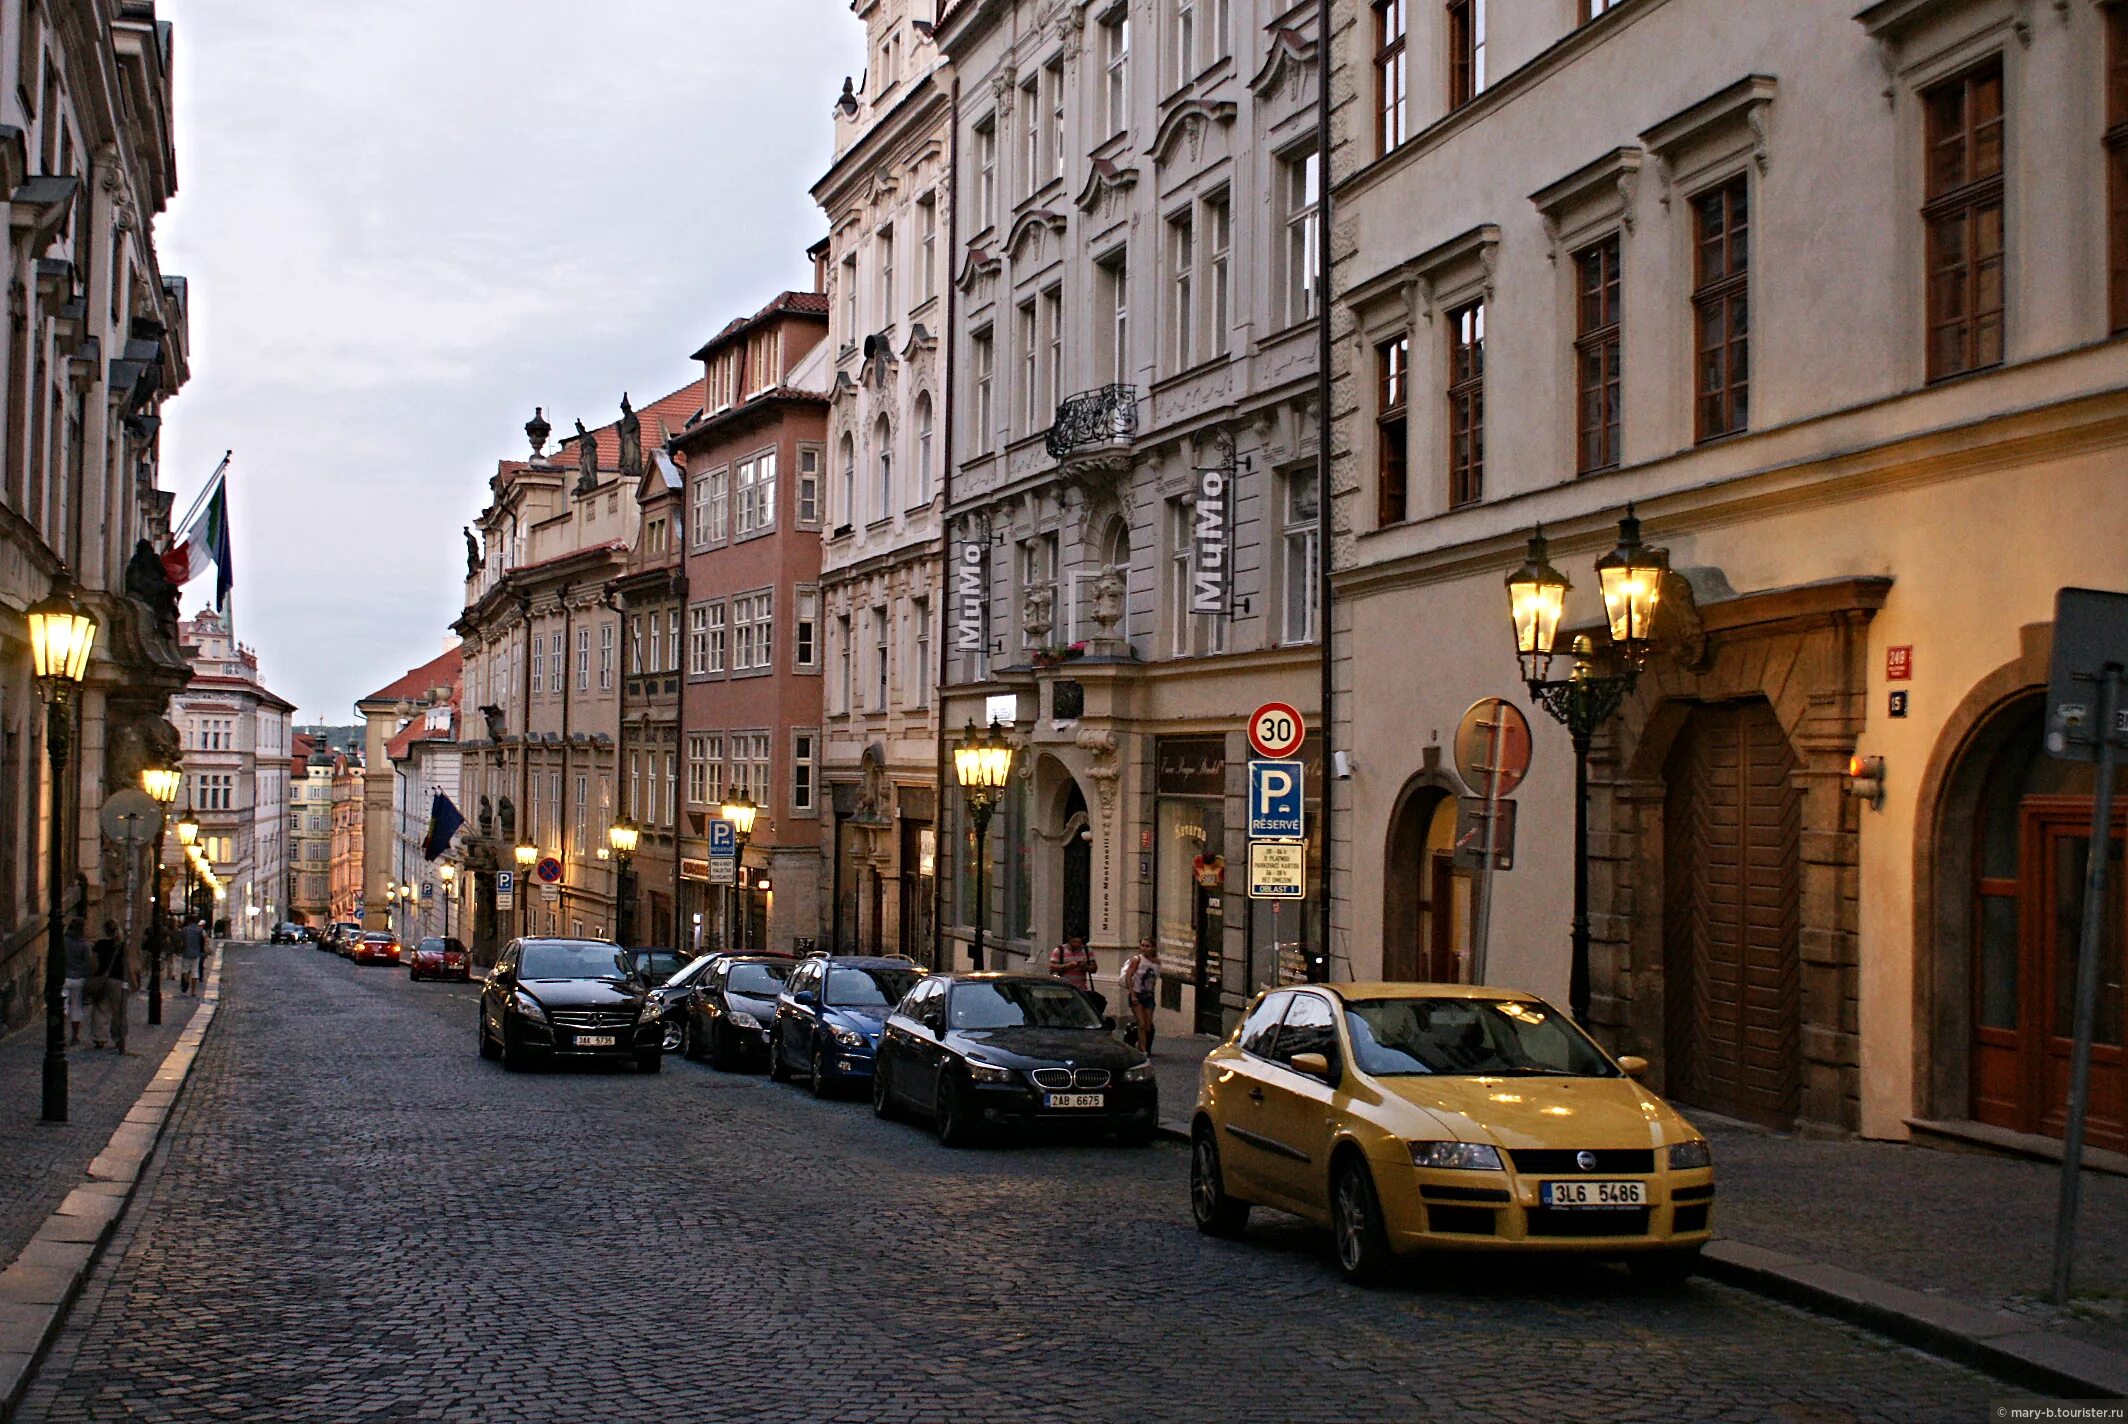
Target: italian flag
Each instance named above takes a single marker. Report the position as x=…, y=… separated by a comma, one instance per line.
x=204, y=543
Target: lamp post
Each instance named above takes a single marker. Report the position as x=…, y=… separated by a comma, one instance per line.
x=62, y=635
x=160, y=782
x=527, y=856
x=1630, y=578
x=740, y=811
x=622, y=836
x=448, y=874
x=188, y=843
x=982, y=764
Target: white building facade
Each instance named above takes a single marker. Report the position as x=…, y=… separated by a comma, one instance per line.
x=236, y=757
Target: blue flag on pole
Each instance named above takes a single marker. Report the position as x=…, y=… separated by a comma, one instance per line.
x=444, y=821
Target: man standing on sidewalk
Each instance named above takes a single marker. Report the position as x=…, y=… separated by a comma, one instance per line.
x=192, y=948
x=107, y=989
x=77, y=975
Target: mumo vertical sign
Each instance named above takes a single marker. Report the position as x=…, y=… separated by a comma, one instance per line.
x=1212, y=543
x=971, y=595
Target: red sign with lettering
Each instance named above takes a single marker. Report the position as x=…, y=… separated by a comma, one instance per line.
x=1899, y=663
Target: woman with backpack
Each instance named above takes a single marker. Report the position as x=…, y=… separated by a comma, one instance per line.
x=1141, y=980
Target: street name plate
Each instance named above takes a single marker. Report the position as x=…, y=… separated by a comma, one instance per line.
x=1278, y=870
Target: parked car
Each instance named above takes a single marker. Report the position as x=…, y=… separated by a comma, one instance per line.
x=671, y=998
x=308, y=934
x=341, y=936
x=1415, y=1117
x=655, y=966
x=567, y=999
x=829, y=1017
x=285, y=932
x=731, y=1016
x=975, y=1052
x=375, y=947
x=439, y=958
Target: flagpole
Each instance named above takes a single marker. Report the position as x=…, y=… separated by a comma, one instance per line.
x=205, y=490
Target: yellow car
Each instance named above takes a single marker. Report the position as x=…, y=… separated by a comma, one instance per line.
x=1417, y=1117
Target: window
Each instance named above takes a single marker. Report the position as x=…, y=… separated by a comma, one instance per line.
x=750, y=765
x=1053, y=324
x=1053, y=88
x=809, y=487
x=583, y=798
x=672, y=789
x=849, y=300
x=2117, y=167
x=605, y=657
x=657, y=648
x=539, y=675
x=883, y=442
x=1182, y=268
x=716, y=525
x=583, y=660
x=805, y=776
x=1466, y=405
x=923, y=449
x=849, y=481
x=756, y=494
x=986, y=173
x=1032, y=151
x=805, y=631
x=698, y=641
x=1219, y=247
x=1391, y=75
x=1590, y=9
x=1299, y=195
x=1721, y=310
x=635, y=789
x=1115, y=64
x=753, y=631
x=1030, y=393
x=1115, y=289
x=927, y=247
x=885, y=247
x=715, y=620
x=1596, y=356
x=919, y=679
x=699, y=773
x=1303, y=552
x=1964, y=122
x=880, y=626
x=985, y=389
x=1185, y=41
x=1466, y=51
x=1193, y=633
x=1392, y=470
x=844, y=651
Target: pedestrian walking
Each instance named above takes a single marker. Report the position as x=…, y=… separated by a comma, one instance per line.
x=1141, y=979
x=77, y=976
x=106, y=989
x=192, y=955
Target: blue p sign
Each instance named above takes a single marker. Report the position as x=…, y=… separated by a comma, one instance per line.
x=1275, y=794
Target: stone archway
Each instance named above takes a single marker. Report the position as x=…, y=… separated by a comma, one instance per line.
x=1425, y=911
x=1803, y=651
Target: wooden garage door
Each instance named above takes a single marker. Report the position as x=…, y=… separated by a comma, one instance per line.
x=1732, y=831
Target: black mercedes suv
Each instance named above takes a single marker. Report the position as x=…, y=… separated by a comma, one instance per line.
x=568, y=999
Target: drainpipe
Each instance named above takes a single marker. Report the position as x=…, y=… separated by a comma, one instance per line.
x=1320, y=969
x=679, y=737
x=944, y=594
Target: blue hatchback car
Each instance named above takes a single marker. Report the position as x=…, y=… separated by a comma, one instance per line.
x=830, y=1015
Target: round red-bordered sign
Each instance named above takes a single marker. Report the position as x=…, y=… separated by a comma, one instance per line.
x=549, y=871
x=1276, y=730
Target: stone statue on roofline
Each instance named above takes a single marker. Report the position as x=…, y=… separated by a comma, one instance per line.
x=630, y=431
x=586, y=460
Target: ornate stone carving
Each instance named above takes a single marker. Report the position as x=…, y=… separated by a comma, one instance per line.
x=1104, y=766
x=1038, y=612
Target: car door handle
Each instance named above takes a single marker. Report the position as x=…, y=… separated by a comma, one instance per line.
x=1255, y=1095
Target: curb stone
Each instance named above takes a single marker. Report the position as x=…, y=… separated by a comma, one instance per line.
x=40, y=1285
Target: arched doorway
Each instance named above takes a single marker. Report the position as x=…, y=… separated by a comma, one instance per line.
x=2022, y=883
x=1732, y=837
x=1078, y=867
x=1425, y=897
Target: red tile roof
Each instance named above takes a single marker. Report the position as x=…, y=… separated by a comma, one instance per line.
x=667, y=415
x=418, y=682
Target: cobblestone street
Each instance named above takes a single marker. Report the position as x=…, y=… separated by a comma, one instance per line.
x=354, y=1217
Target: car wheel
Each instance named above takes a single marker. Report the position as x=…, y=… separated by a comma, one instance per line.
x=819, y=1082
x=675, y=1037
x=515, y=1057
x=489, y=1049
x=953, y=1118
x=1356, y=1224
x=1215, y=1213
x=778, y=1072
x=650, y=1060
x=1665, y=1270
x=883, y=1105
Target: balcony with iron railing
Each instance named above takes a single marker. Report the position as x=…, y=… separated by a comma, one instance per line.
x=1102, y=418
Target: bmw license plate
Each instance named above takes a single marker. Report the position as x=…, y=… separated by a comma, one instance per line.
x=594, y=1040
x=1074, y=1100
x=1600, y=1195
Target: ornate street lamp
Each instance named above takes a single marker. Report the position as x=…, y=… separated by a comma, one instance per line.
x=162, y=783
x=62, y=635
x=448, y=874
x=740, y=811
x=982, y=765
x=623, y=836
x=1631, y=578
x=527, y=856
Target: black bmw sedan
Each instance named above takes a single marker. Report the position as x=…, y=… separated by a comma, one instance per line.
x=568, y=1000
x=732, y=1013
x=975, y=1052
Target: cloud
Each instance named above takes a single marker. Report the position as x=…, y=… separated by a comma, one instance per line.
x=407, y=222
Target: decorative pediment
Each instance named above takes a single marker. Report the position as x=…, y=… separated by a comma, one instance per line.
x=1188, y=122
x=979, y=263
x=1597, y=194
x=920, y=339
x=1729, y=121
x=1291, y=60
x=844, y=386
x=1104, y=176
x=879, y=359
x=1029, y=223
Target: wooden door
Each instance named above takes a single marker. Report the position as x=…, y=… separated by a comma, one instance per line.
x=1440, y=956
x=1732, y=841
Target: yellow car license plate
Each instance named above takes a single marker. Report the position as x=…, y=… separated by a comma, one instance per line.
x=1594, y=1194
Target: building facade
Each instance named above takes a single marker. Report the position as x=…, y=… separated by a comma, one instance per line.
x=888, y=198
x=348, y=900
x=651, y=596
x=425, y=763
x=310, y=772
x=387, y=714
x=236, y=738
x=98, y=344
x=1133, y=527
x=1831, y=298
x=754, y=464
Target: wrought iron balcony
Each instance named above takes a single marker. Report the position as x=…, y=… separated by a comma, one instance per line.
x=1102, y=416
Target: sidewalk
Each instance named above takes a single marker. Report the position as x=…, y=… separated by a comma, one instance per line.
x=1949, y=1250
x=41, y=1162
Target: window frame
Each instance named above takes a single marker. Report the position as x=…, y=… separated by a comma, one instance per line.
x=1599, y=346
x=1392, y=74
x=1465, y=388
x=1966, y=203
x=1392, y=422
x=1729, y=292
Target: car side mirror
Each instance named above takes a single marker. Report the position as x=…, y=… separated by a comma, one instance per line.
x=1315, y=1065
x=1633, y=1065
x=806, y=999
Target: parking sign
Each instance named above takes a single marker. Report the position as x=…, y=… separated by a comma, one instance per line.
x=505, y=889
x=1275, y=800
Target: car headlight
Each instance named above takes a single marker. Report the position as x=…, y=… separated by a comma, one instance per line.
x=848, y=1037
x=651, y=1012
x=988, y=1072
x=1465, y=1156
x=742, y=1019
x=1690, y=1156
x=1138, y=1073
x=528, y=1007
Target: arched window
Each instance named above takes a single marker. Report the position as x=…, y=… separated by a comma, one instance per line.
x=923, y=448
x=882, y=439
x=848, y=502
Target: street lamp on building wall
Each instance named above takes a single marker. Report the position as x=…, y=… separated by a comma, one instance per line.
x=527, y=856
x=740, y=811
x=62, y=635
x=982, y=764
x=623, y=836
x=162, y=783
x=1630, y=578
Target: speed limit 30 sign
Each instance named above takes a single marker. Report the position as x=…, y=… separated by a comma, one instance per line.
x=1276, y=730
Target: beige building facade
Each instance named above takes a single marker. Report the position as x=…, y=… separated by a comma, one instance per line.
x=1831, y=300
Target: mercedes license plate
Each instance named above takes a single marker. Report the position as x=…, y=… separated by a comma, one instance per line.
x=1073, y=1100
x=594, y=1040
x=1600, y=1195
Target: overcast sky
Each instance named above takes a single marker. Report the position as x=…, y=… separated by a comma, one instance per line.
x=408, y=222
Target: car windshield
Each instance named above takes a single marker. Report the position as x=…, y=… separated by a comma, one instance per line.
x=566, y=959
x=762, y=981
x=657, y=965
x=1015, y=1004
x=693, y=971
x=442, y=946
x=869, y=986
x=1470, y=1038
